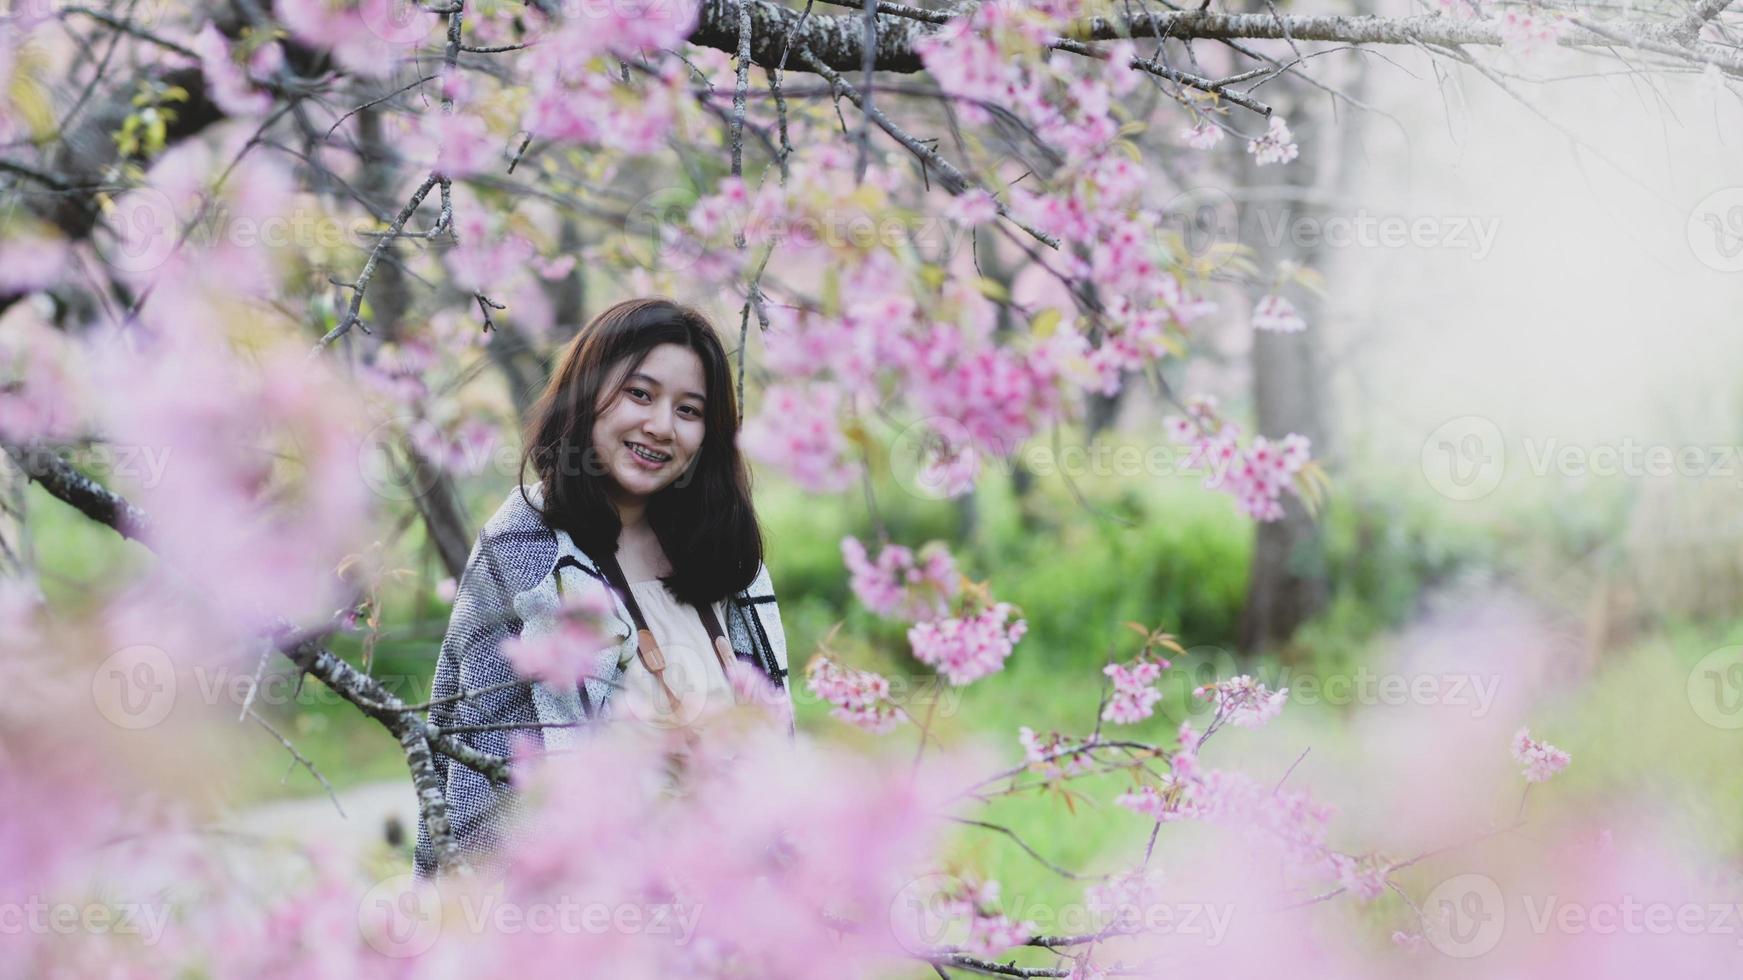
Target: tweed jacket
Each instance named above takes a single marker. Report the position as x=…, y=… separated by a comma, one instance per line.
x=512, y=586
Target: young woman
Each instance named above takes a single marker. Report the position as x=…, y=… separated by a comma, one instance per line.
x=639, y=485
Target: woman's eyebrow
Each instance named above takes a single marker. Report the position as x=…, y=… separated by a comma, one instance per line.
x=656, y=383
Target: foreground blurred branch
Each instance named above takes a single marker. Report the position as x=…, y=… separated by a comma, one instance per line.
x=306, y=649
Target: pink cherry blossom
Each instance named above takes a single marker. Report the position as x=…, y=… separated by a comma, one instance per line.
x=265, y=447
x=577, y=94
x=1540, y=759
x=567, y=653
x=233, y=89
x=1276, y=146
x=1288, y=826
x=39, y=381
x=10, y=125
x=1044, y=755
x=900, y=585
x=489, y=255
x=1364, y=878
x=858, y=697
x=1135, y=693
x=1277, y=314
x=781, y=856
x=30, y=261
x=1122, y=901
x=367, y=37
x=967, y=648
x=1242, y=701
x=795, y=430
x=973, y=207
x=990, y=932
x=1202, y=135
x=1256, y=476
x=461, y=142
x=1528, y=33
x=1121, y=77
x=948, y=469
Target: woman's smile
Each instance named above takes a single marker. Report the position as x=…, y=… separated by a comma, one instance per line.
x=650, y=458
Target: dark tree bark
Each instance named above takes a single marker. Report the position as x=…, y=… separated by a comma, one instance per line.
x=1288, y=581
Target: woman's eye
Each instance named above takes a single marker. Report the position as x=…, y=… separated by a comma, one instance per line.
x=638, y=392
x=695, y=412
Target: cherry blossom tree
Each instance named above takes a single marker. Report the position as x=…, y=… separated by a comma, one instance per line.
x=283, y=245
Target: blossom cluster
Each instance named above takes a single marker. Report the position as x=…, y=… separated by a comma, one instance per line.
x=367, y=37
x=1255, y=475
x=1135, y=692
x=858, y=697
x=1277, y=314
x=1277, y=145
x=579, y=94
x=954, y=362
x=1048, y=755
x=1364, y=877
x=1540, y=759
x=1202, y=135
x=1288, y=822
x=967, y=648
x=1242, y=701
x=1120, y=900
x=900, y=585
x=235, y=87
x=990, y=932
x=1527, y=33
x=976, y=394
x=796, y=431
x=987, y=60
x=566, y=653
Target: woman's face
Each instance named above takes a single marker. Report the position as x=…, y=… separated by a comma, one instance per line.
x=658, y=412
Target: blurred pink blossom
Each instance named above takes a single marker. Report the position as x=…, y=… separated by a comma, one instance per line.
x=1540, y=759
x=967, y=648
x=1276, y=146
x=899, y=585
x=1277, y=314
x=858, y=697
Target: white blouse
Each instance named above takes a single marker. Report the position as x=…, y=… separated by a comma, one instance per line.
x=693, y=671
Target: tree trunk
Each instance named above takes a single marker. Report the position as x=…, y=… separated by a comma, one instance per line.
x=1288, y=582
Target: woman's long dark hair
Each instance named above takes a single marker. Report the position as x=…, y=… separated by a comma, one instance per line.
x=704, y=520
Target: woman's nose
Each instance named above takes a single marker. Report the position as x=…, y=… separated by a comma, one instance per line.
x=658, y=422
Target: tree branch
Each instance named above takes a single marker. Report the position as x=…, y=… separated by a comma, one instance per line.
x=417, y=737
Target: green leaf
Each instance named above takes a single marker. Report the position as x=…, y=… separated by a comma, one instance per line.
x=1044, y=323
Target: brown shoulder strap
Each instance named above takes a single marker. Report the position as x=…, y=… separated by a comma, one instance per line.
x=647, y=648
